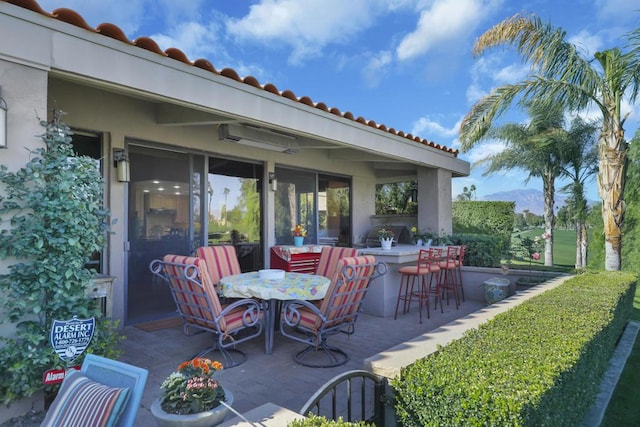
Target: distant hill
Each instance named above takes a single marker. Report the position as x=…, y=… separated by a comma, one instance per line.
x=526, y=199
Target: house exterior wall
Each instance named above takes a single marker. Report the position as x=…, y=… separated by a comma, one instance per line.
x=23, y=127
x=122, y=118
x=128, y=93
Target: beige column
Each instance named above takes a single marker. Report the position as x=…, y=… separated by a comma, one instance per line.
x=434, y=200
x=118, y=244
x=269, y=213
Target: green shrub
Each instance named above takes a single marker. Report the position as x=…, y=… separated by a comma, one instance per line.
x=540, y=363
x=316, y=421
x=482, y=250
x=54, y=209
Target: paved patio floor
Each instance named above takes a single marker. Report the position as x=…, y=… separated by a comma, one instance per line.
x=275, y=378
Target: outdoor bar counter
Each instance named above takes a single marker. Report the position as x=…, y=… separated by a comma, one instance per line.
x=383, y=292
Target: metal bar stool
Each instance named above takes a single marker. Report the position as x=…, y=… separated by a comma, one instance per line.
x=427, y=267
x=448, y=282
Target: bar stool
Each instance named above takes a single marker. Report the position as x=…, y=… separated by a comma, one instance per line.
x=427, y=267
x=448, y=282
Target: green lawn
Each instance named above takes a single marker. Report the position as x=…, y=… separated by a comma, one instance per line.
x=623, y=409
x=564, y=249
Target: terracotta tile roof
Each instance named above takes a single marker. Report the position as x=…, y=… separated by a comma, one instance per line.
x=70, y=16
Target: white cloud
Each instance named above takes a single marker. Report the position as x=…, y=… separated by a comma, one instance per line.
x=485, y=149
x=618, y=11
x=444, y=23
x=305, y=25
x=430, y=129
x=374, y=70
x=509, y=74
x=194, y=39
x=587, y=43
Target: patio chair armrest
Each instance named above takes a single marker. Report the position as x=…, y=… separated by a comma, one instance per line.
x=252, y=314
x=291, y=315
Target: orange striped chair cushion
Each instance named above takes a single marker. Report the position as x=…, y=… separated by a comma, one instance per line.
x=342, y=298
x=221, y=261
x=191, y=300
x=329, y=258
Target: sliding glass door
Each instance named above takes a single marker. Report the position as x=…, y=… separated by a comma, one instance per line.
x=162, y=198
x=234, y=207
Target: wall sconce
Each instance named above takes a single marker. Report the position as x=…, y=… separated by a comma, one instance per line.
x=121, y=163
x=414, y=194
x=3, y=121
x=273, y=181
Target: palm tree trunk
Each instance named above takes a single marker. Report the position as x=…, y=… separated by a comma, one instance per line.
x=549, y=217
x=584, y=244
x=610, y=187
x=581, y=245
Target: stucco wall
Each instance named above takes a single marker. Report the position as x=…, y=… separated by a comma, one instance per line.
x=25, y=108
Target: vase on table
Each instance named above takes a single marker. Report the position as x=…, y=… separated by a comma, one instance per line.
x=212, y=417
x=298, y=240
x=386, y=244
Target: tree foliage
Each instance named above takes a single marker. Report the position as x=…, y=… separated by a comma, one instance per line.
x=395, y=198
x=561, y=75
x=631, y=231
x=491, y=218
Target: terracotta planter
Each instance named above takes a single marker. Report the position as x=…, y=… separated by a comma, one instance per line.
x=202, y=419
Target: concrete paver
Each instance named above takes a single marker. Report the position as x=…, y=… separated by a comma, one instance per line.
x=275, y=378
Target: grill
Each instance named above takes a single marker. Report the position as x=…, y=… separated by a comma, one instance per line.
x=401, y=234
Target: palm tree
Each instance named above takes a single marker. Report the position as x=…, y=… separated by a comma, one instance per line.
x=468, y=193
x=561, y=75
x=533, y=147
x=580, y=163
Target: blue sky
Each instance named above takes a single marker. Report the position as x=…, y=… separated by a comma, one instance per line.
x=404, y=63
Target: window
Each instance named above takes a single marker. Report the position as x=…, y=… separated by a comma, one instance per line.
x=318, y=202
x=90, y=145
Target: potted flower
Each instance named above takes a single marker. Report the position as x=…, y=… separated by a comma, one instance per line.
x=299, y=233
x=191, y=396
x=386, y=238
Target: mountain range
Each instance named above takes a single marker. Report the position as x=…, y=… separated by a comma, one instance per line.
x=526, y=199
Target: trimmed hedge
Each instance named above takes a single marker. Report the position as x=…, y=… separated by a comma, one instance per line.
x=540, y=363
x=484, y=217
x=321, y=421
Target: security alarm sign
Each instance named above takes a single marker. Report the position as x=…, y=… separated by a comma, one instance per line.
x=70, y=338
x=55, y=376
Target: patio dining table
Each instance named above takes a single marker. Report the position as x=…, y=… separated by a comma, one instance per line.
x=292, y=286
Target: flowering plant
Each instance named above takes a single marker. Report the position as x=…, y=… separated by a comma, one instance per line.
x=299, y=231
x=191, y=388
x=385, y=234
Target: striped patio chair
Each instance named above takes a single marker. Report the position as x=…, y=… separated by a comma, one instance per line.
x=312, y=324
x=221, y=261
x=329, y=257
x=200, y=309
